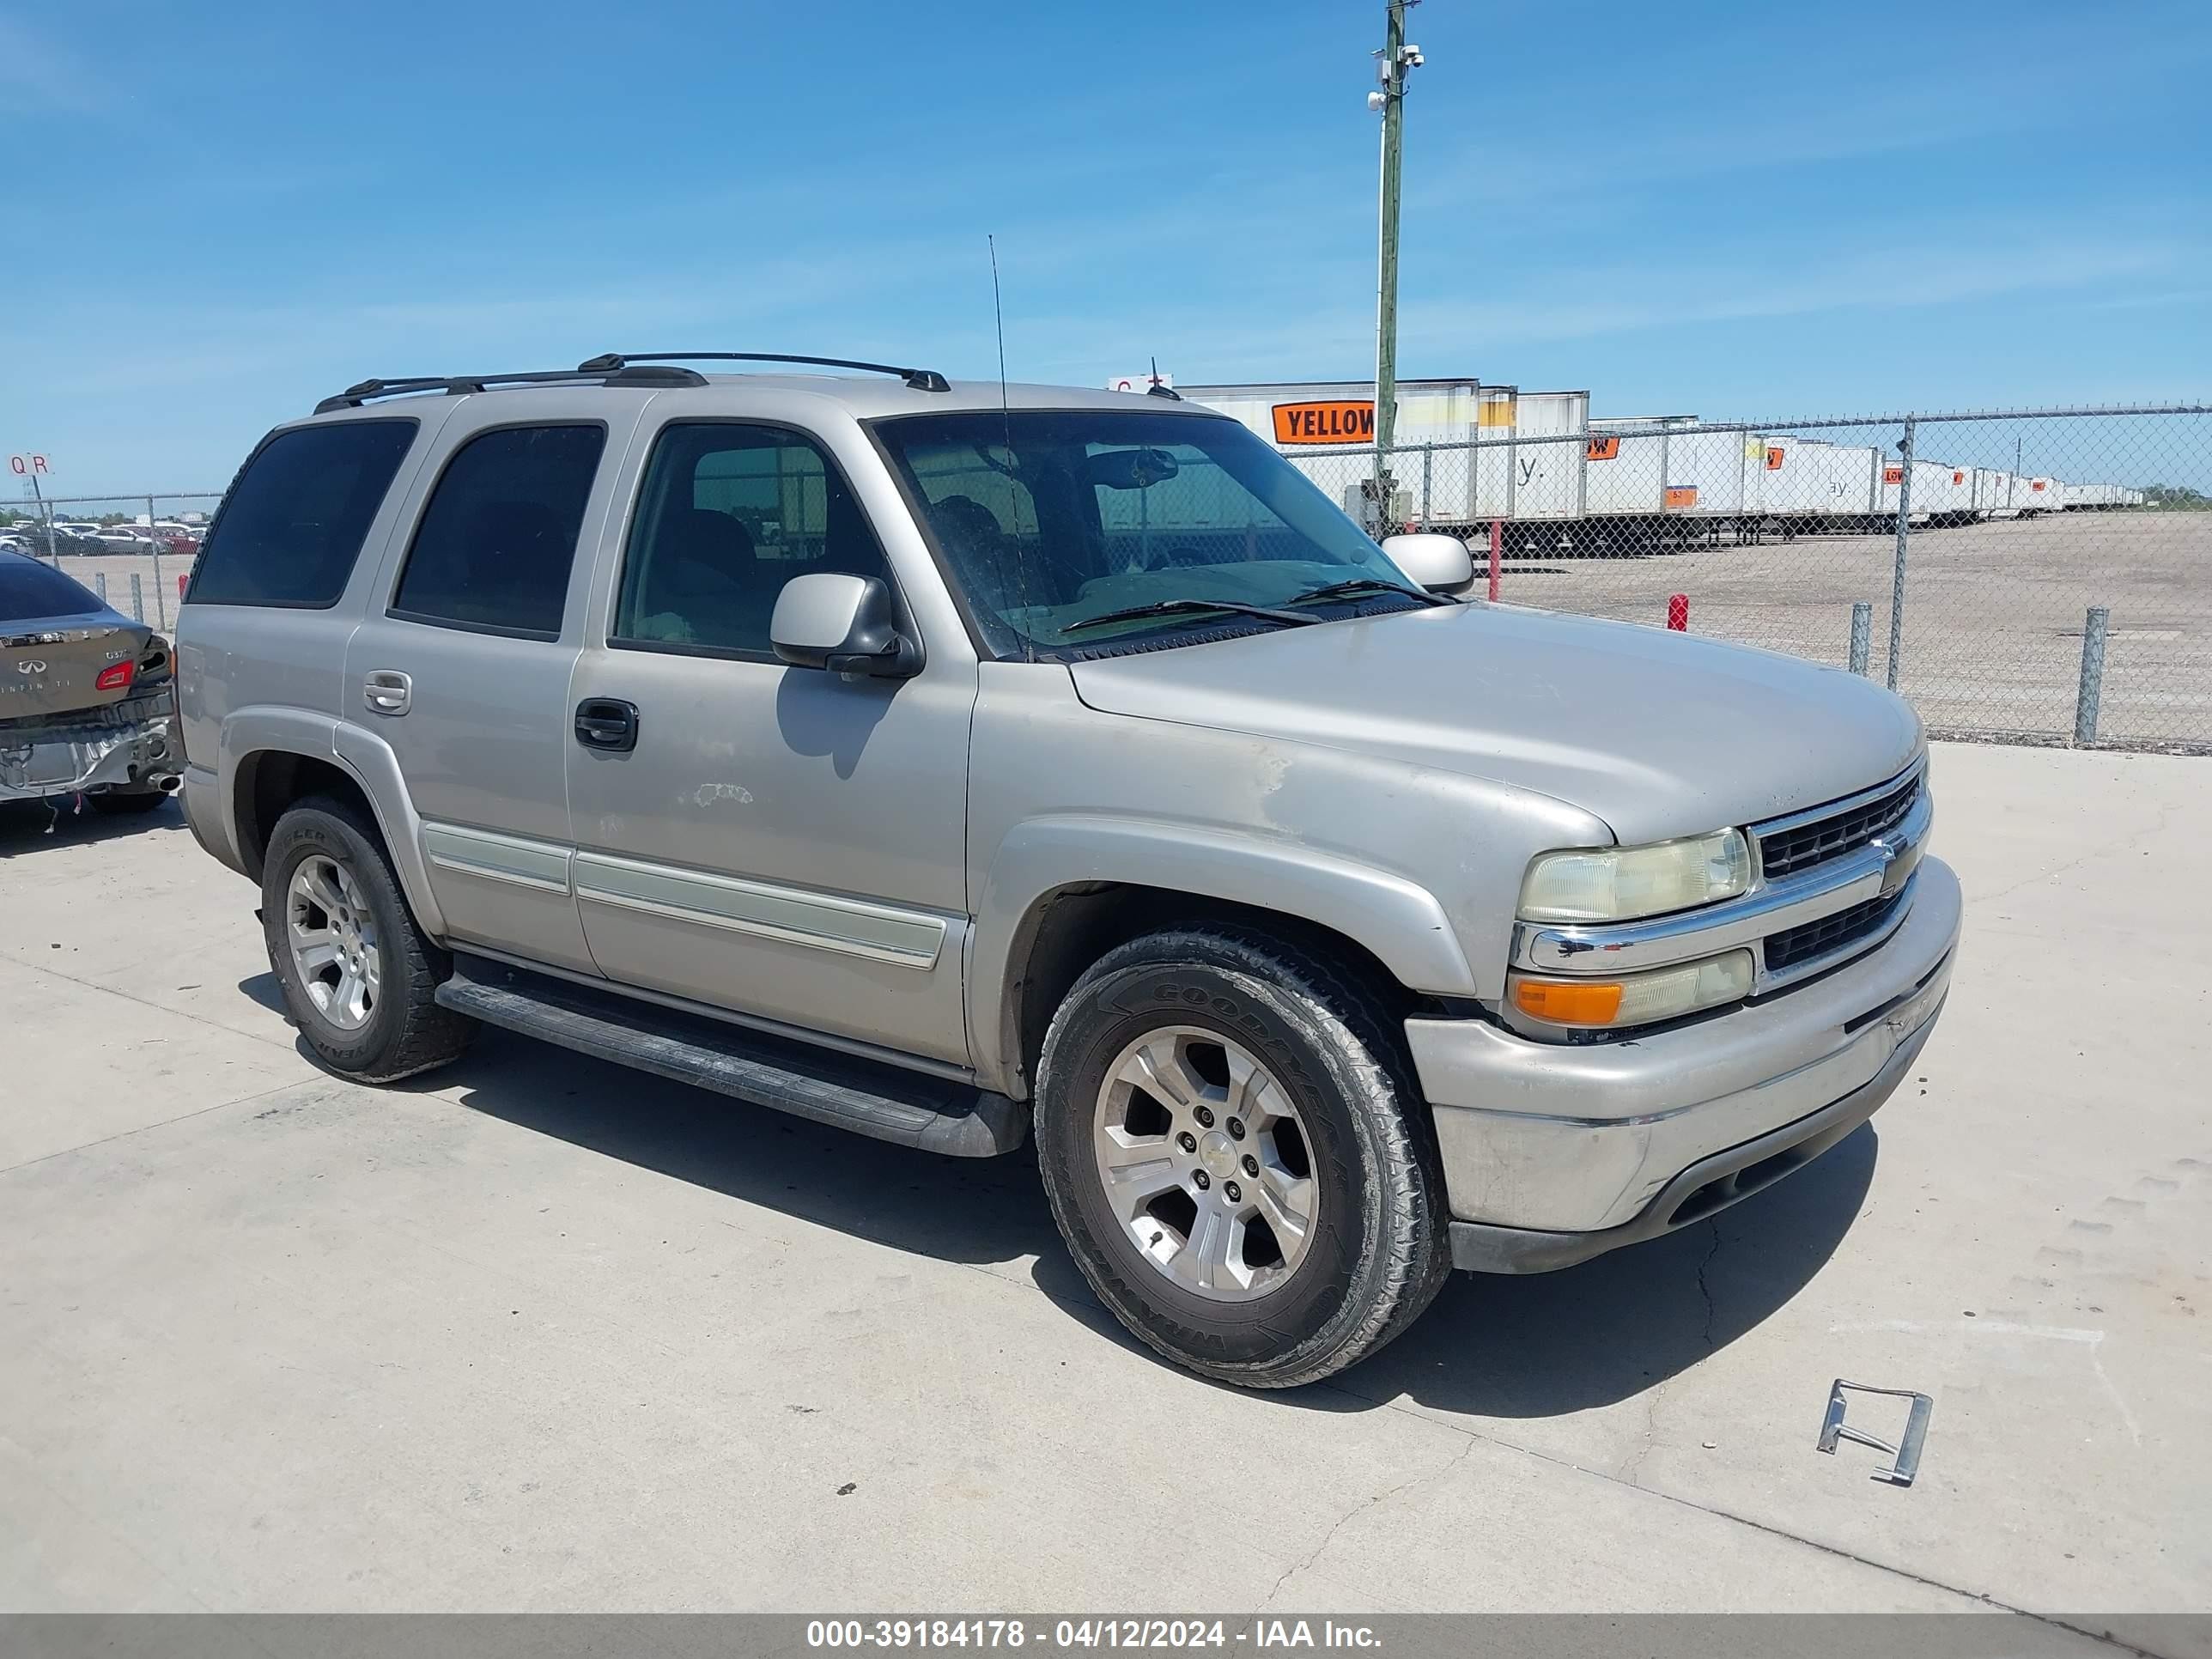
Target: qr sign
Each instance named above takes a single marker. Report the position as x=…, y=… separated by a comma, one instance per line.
x=29, y=466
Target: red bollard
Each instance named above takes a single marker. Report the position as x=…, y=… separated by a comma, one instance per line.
x=1678, y=612
x=181, y=580
x=1496, y=547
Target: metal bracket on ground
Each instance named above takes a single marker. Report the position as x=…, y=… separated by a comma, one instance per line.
x=1904, y=1456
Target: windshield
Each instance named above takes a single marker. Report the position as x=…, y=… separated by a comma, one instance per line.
x=1050, y=519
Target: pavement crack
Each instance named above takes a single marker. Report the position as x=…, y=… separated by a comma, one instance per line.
x=286, y=1042
x=1704, y=1286
x=1982, y=1598
x=1469, y=1443
x=2127, y=843
x=147, y=1128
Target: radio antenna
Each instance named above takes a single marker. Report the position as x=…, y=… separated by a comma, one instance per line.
x=1006, y=417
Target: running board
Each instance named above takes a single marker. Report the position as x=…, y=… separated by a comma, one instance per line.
x=886, y=1102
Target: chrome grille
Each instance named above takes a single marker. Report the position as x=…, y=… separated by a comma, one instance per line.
x=1830, y=933
x=1806, y=846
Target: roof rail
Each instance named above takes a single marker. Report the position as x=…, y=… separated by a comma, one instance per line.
x=922, y=380
x=455, y=385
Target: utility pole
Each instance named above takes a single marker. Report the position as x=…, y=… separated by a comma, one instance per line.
x=1393, y=64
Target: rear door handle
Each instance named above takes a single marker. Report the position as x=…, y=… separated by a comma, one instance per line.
x=606, y=723
x=387, y=691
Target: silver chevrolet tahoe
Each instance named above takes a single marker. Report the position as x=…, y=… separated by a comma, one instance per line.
x=951, y=762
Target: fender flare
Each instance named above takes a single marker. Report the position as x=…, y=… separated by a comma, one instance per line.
x=1401, y=923
x=363, y=757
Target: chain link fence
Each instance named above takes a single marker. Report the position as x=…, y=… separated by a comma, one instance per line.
x=2041, y=576
x=134, y=551
x=2038, y=576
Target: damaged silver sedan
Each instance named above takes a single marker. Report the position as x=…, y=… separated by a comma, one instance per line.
x=87, y=700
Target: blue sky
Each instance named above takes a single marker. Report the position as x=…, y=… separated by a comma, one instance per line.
x=225, y=210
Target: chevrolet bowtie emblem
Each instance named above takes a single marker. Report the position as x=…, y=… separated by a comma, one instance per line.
x=1893, y=872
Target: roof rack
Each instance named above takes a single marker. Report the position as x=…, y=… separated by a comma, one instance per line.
x=922, y=380
x=454, y=386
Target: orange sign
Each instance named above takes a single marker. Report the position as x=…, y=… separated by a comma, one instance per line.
x=1347, y=422
x=1958, y=477
x=1892, y=475
x=2036, y=484
x=1774, y=454
x=1681, y=495
x=1602, y=449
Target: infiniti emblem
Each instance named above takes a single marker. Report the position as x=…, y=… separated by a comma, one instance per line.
x=30, y=665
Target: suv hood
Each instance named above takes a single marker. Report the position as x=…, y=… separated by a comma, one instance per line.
x=1658, y=733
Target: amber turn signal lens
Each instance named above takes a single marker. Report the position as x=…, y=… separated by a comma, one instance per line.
x=1568, y=1002
x=1638, y=998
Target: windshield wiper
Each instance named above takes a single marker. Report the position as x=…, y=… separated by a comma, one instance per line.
x=1177, y=607
x=1351, y=585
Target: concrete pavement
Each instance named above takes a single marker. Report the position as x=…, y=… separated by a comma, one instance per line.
x=539, y=1333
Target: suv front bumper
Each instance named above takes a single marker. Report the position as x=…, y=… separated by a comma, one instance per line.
x=1554, y=1153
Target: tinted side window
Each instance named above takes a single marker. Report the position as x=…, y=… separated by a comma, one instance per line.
x=497, y=539
x=295, y=521
x=728, y=514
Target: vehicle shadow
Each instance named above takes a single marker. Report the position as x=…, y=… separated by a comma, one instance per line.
x=33, y=826
x=266, y=989
x=1548, y=1344
x=1537, y=1346
x=976, y=1212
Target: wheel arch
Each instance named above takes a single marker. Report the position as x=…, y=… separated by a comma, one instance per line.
x=1041, y=925
x=267, y=765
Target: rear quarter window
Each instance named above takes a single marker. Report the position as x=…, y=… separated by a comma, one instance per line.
x=292, y=526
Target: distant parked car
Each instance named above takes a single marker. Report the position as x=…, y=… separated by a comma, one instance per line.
x=39, y=543
x=125, y=538
x=86, y=695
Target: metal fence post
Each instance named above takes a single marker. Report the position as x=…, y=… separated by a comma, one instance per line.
x=99, y=585
x=160, y=600
x=1904, y=537
x=1428, y=465
x=1862, y=634
x=138, y=598
x=2092, y=688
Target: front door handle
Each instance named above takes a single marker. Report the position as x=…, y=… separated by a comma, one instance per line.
x=387, y=691
x=606, y=723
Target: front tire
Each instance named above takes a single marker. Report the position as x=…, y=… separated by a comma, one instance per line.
x=1232, y=1149
x=360, y=978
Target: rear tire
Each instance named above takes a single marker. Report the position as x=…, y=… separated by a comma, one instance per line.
x=360, y=978
x=1219, y=1031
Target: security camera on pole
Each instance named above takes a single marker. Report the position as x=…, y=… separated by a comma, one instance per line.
x=1393, y=64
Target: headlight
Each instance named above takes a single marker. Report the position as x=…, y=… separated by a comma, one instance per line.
x=1634, y=999
x=1616, y=883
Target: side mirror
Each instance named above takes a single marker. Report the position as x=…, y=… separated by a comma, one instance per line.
x=1440, y=564
x=843, y=624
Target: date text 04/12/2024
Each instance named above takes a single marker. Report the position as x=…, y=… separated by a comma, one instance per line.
x=1074, y=1635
